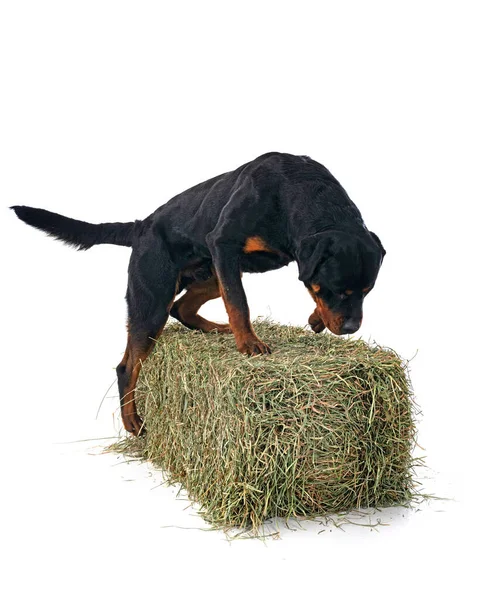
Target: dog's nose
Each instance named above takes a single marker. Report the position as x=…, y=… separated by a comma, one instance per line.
x=350, y=326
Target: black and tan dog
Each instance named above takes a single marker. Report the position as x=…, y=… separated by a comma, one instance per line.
x=271, y=211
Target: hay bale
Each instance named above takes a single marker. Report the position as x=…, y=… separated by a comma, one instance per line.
x=323, y=425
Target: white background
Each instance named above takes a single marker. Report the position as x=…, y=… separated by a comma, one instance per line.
x=110, y=108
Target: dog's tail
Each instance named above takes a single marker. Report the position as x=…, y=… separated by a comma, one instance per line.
x=79, y=234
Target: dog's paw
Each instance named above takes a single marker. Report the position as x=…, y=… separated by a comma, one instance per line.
x=133, y=424
x=221, y=328
x=316, y=323
x=253, y=347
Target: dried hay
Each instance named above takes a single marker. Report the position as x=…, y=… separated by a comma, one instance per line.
x=323, y=425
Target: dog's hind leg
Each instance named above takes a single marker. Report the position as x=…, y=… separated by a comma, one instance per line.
x=185, y=309
x=151, y=290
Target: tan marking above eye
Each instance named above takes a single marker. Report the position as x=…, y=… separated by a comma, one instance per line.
x=366, y=290
x=348, y=292
x=315, y=287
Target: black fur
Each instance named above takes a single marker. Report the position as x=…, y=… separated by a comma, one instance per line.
x=267, y=213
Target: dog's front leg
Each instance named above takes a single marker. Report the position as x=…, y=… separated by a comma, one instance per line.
x=227, y=265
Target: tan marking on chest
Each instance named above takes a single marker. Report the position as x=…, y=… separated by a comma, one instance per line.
x=255, y=244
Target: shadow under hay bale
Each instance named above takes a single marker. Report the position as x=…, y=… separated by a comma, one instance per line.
x=323, y=425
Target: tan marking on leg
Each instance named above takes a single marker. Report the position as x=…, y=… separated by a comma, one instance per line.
x=196, y=295
x=134, y=356
x=246, y=338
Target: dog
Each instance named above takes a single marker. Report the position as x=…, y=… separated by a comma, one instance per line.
x=267, y=213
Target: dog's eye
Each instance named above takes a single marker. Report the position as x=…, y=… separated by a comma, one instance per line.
x=342, y=295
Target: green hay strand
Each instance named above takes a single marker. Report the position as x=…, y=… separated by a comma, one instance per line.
x=323, y=425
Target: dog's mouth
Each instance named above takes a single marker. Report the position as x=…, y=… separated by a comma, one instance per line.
x=337, y=323
x=332, y=321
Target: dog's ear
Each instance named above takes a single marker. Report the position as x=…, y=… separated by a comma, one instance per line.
x=311, y=250
x=378, y=242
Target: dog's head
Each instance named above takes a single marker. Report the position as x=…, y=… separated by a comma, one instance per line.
x=339, y=269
